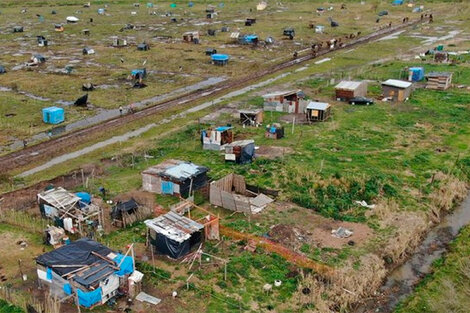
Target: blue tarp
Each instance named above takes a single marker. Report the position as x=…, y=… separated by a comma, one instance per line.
x=417, y=74
x=167, y=187
x=84, y=196
x=220, y=57
x=53, y=115
x=88, y=299
x=397, y=2
x=49, y=273
x=127, y=266
x=223, y=128
x=191, y=4
x=250, y=38
x=67, y=289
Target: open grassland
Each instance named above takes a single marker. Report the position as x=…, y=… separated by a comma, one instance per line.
x=171, y=63
x=447, y=288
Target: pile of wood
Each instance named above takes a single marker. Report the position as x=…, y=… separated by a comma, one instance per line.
x=439, y=81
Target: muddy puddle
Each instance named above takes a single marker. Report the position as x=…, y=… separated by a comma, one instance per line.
x=401, y=282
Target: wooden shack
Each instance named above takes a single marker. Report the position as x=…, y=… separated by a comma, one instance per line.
x=191, y=36
x=396, y=90
x=174, y=177
x=439, y=80
x=251, y=117
x=285, y=101
x=318, y=111
x=346, y=90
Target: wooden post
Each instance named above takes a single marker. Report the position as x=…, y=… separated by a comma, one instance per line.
x=83, y=177
x=225, y=271
x=293, y=124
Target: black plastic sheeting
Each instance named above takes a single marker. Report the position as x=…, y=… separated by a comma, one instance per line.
x=199, y=181
x=75, y=253
x=175, y=250
x=128, y=206
x=247, y=154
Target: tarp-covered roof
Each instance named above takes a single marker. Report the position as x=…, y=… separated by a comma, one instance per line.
x=75, y=253
x=177, y=170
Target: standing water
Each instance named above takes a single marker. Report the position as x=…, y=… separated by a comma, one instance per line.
x=401, y=281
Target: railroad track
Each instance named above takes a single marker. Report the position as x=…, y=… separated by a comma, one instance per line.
x=59, y=145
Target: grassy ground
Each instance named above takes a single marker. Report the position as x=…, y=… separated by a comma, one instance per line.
x=410, y=159
x=165, y=58
x=447, y=289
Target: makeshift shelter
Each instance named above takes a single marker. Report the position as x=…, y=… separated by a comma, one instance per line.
x=67, y=210
x=140, y=73
x=53, y=115
x=415, y=74
x=346, y=90
x=211, y=15
x=125, y=213
x=72, y=19
x=214, y=139
x=441, y=56
x=396, y=90
x=88, y=51
x=240, y=152
x=174, y=177
x=220, y=59
x=86, y=271
x=192, y=36
x=318, y=111
x=211, y=51
x=251, y=117
x=42, y=41
x=119, y=42
x=173, y=235
x=250, y=21
x=18, y=29
x=37, y=59
x=289, y=32
x=250, y=39
x=232, y=193
x=274, y=131
x=58, y=28
x=285, y=101
x=319, y=29
x=439, y=80
x=82, y=101
x=2, y=69
x=143, y=47
x=211, y=32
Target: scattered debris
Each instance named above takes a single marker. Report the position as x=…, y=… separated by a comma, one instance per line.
x=341, y=232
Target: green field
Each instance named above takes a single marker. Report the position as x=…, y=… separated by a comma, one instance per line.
x=411, y=159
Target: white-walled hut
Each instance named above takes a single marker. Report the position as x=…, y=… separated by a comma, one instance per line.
x=215, y=138
x=174, y=177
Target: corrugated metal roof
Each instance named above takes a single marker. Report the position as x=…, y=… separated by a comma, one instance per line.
x=397, y=83
x=348, y=85
x=439, y=74
x=179, y=170
x=312, y=105
x=176, y=227
x=280, y=93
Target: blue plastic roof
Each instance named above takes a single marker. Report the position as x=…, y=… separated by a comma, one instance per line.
x=250, y=37
x=223, y=128
x=84, y=196
x=220, y=57
x=52, y=109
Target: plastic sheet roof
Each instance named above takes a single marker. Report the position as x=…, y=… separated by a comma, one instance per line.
x=397, y=83
x=173, y=226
